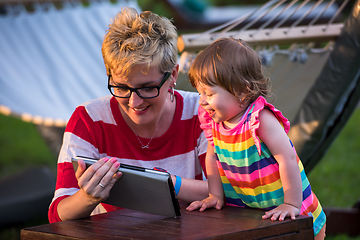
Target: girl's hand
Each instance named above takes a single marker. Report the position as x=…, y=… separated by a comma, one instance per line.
x=209, y=202
x=97, y=181
x=281, y=212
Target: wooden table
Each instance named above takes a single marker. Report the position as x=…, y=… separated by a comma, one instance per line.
x=229, y=223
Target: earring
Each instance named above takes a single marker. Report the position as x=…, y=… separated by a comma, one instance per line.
x=172, y=92
x=240, y=101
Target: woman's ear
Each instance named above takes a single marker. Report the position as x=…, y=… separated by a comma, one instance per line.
x=174, y=75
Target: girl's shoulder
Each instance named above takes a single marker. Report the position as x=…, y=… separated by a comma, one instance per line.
x=260, y=104
x=256, y=107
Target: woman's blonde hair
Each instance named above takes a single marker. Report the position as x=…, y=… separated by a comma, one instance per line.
x=232, y=64
x=133, y=39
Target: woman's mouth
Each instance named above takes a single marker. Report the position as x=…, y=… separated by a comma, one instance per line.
x=140, y=110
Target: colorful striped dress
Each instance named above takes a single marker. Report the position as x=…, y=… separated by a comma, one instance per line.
x=249, y=172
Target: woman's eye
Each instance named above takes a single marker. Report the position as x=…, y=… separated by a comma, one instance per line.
x=121, y=89
x=147, y=89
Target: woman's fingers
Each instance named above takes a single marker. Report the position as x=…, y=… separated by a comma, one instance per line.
x=97, y=180
x=81, y=168
x=109, y=174
x=113, y=180
x=86, y=177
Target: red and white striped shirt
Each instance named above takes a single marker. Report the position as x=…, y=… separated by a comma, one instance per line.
x=97, y=129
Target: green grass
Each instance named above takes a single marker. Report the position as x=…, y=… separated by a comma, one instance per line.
x=335, y=179
x=21, y=146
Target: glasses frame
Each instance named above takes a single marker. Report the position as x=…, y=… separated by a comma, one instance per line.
x=166, y=77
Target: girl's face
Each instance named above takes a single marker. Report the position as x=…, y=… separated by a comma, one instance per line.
x=143, y=111
x=220, y=104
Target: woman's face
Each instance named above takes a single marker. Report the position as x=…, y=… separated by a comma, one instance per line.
x=143, y=111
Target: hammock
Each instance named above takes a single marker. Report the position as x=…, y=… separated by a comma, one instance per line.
x=317, y=88
x=50, y=59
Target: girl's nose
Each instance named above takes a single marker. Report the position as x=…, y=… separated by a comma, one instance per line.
x=202, y=100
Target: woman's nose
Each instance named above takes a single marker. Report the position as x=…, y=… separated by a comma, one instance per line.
x=135, y=100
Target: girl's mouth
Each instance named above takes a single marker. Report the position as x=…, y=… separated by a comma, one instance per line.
x=211, y=113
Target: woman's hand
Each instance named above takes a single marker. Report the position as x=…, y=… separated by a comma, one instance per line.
x=209, y=202
x=281, y=212
x=91, y=193
x=98, y=179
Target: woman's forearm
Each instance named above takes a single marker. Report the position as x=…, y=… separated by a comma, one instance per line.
x=192, y=190
x=75, y=206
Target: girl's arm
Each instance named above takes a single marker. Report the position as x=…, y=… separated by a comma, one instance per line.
x=273, y=135
x=216, y=192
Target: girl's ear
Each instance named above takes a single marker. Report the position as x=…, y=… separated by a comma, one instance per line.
x=241, y=98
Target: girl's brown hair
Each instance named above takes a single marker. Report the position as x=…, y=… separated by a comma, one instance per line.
x=232, y=64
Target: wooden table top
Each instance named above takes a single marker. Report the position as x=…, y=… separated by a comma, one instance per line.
x=229, y=223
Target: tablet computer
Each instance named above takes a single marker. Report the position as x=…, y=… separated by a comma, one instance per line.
x=141, y=189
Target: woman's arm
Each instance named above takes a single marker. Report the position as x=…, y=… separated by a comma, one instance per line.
x=273, y=135
x=192, y=189
x=90, y=194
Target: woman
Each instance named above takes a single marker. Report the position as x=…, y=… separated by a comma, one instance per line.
x=144, y=122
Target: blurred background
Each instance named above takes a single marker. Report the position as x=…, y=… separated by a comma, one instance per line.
x=29, y=146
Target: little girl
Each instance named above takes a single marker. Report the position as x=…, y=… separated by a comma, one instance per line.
x=250, y=160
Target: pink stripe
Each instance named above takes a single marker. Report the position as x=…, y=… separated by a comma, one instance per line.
x=266, y=171
x=306, y=203
x=246, y=127
x=230, y=204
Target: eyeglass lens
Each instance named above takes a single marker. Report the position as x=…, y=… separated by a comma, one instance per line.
x=142, y=92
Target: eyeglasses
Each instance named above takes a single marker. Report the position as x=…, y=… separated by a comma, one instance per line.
x=143, y=92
